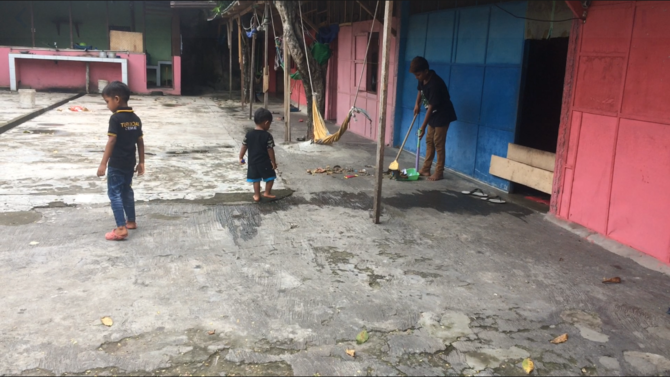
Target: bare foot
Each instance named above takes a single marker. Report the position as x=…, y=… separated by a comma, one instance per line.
x=424, y=173
x=121, y=232
x=435, y=177
x=257, y=198
x=131, y=225
x=269, y=196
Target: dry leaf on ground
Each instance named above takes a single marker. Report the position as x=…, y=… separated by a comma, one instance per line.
x=107, y=321
x=614, y=280
x=560, y=339
x=528, y=366
x=351, y=353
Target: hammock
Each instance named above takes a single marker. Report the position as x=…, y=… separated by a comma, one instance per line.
x=321, y=134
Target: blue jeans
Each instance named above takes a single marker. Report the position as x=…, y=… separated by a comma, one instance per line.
x=121, y=194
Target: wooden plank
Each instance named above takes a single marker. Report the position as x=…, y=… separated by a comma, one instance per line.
x=533, y=157
x=126, y=41
x=538, y=179
x=383, y=93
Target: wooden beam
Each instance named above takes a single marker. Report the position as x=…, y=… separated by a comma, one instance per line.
x=229, y=29
x=538, y=179
x=577, y=9
x=566, y=119
x=252, y=75
x=393, y=31
x=71, y=37
x=266, y=68
x=240, y=59
x=533, y=157
x=383, y=93
x=287, y=95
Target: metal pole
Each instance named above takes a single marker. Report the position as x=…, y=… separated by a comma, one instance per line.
x=381, y=130
x=266, y=70
x=71, y=37
x=88, y=76
x=252, y=75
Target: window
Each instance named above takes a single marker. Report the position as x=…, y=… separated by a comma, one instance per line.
x=372, y=68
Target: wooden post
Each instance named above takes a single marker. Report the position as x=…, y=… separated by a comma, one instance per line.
x=381, y=130
x=71, y=37
x=287, y=94
x=252, y=75
x=88, y=76
x=229, y=29
x=266, y=70
x=240, y=58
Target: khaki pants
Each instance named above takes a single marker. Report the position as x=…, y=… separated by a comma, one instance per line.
x=435, y=141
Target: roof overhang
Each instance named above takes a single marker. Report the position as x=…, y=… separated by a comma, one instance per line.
x=193, y=4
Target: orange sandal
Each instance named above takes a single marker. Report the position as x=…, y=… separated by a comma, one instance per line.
x=112, y=236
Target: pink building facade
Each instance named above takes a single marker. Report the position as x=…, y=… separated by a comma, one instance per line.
x=344, y=71
x=71, y=74
x=37, y=46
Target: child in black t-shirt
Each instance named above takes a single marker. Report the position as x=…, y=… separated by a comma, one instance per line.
x=262, y=162
x=125, y=131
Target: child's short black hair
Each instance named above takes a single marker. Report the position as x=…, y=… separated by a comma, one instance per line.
x=418, y=64
x=262, y=115
x=117, y=88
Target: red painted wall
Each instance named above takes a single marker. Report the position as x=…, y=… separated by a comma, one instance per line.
x=616, y=167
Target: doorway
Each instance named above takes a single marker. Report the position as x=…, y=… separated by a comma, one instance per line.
x=541, y=100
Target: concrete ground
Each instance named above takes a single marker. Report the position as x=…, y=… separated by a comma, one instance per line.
x=212, y=284
x=11, y=106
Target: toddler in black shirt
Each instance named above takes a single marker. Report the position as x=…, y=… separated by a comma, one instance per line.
x=262, y=163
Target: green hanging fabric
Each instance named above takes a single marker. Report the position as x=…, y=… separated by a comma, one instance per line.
x=296, y=75
x=321, y=52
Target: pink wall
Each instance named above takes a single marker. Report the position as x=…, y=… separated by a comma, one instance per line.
x=352, y=42
x=45, y=74
x=616, y=169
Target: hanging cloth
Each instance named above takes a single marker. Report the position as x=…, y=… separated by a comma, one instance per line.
x=327, y=34
x=296, y=75
x=321, y=52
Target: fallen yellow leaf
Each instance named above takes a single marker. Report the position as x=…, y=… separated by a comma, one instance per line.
x=528, y=366
x=107, y=321
x=351, y=353
x=560, y=339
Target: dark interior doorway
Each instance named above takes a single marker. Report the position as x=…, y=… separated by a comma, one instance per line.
x=541, y=99
x=205, y=55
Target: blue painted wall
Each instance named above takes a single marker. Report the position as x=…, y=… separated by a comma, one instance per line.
x=478, y=51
